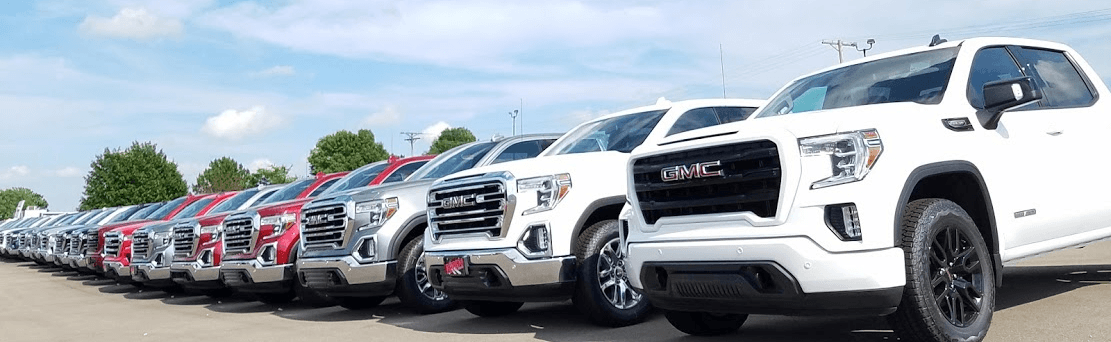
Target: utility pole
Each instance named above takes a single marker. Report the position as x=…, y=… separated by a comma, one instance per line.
x=412, y=137
x=721, y=57
x=513, y=115
x=522, y=115
x=839, y=46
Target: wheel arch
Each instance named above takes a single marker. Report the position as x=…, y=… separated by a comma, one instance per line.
x=959, y=181
x=595, y=212
x=412, y=228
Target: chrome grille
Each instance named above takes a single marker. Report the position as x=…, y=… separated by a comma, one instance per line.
x=60, y=243
x=140, y=245
x=90, y=241
x=324, y=227
x=468, y=208
x=239, y=234
x=43, y=241
x=112, y=242
x=185, y=236
x=75, y=244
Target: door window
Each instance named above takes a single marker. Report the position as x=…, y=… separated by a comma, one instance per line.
x=1060, y=82
x=521, y=150
x=989, y=65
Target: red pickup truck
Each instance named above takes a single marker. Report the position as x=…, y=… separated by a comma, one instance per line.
x=261, y=244
x=198, y=255
x=117, y=242
x=94, y=242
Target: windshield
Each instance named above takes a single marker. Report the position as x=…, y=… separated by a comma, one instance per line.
x=234, y=202
x=290, y=191
x=193, y=208
x=125, y=214
x=464, y=159
x=99, y=216
x=918, y=77
x=619, y=133
x=146, y=211
x=70, y=218
x=358, y=178
x=166, y=209
x=88, y=217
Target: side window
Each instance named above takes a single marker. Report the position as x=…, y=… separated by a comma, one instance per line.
x=710, y=116
x=521, y=150
x=990, y=64
x=544, y=144
x=403, y=172
x=324, y=186
x=1056, y=76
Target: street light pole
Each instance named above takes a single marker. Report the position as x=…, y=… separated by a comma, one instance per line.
x=513, y=115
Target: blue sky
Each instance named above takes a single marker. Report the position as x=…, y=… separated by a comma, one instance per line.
x=262, y=81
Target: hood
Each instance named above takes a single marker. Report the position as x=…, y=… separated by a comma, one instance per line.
x=278, y=209
x=372, y=192
x=577, y=163
x=130, y=228
x=111, y=227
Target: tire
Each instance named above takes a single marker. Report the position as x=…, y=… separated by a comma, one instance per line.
x=950, y=289
x=704, y=323
x=602, y=292
x=276, y=298
x=413, y=287
x=360, y=303
x=484, y=308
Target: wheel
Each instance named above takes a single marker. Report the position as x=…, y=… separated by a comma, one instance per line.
x=950, y=290
x=603, y=292
x=413, y=287
x=705, y=323
x=360, y=303
x=276, y=298
x=484, y=308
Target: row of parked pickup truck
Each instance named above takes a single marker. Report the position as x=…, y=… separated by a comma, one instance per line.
x=708, y=209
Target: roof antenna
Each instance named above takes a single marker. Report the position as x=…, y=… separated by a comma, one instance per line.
x=936, y=40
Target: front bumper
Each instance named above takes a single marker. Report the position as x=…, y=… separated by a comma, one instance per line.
x=118, y=271
x=503, y=275
x=252, y=276
x=343, y=276
x=147, y=272
x=194, y=275
x=789, y=275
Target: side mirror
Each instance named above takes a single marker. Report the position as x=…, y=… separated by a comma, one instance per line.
x=1000, y=96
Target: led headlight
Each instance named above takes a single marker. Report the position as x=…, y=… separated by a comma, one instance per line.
x=851, y=155
x=549, y=191
x=280, y=223
x=213, y=231
x=379, y=211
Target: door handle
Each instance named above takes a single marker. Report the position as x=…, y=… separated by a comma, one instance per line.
x=1055, y=133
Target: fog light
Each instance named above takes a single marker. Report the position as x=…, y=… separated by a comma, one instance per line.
x=844, y=221
x=536, y=242
x=206, y=258
x=366, y=250
x=269, y=255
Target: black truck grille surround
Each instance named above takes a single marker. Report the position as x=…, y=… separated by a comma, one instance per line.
x=140, y=245
x=184, y=236
x=749, y=181
x=467, y=208
x=238, y=234
x=112, y=242
x=324, y=227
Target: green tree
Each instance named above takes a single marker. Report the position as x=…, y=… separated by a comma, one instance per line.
x=450, y=138
x=345, y=151
x=273, y=174
x=9, y=198
x=139, y=174
x=222, y=174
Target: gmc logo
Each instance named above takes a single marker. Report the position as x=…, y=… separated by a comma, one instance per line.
x=697, y=170
x=316, y=219
x=181, y=236
x=457, y=201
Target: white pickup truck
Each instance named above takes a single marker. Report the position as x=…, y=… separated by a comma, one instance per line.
x=545, y=229
x=894, y=185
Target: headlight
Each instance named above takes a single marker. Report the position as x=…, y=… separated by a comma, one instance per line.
x=162, y=237
x=213, y=231
x=851, y=155
x=280, y=223
x=549, y=191
x=379, y=211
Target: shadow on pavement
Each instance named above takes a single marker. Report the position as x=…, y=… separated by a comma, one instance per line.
x=99, y=282
x=119, y=288
x=65, y=273
x=82, y=277
x=1028, y=284
x=146, y=294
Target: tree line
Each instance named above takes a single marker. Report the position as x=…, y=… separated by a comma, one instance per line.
x=142, y=173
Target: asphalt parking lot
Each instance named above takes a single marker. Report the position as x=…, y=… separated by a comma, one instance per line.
x=1065, y=296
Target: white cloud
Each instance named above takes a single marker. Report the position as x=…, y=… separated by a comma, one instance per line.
x=259, y=164
x=234, y=125
x=388, y=115
x=432, y=132
x=132, y=23
x=15, y=171
x=69, y=172
x=277, y=70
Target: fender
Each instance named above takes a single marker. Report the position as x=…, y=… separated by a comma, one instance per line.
x=947, y=167
x=590, y=208
x=412, y=222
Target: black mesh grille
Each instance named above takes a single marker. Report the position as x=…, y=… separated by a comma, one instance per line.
x=749, y=181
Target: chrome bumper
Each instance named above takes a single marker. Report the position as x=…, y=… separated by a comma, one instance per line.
x=519, y=270
x=147, y=271
x=119, y=268
x=351, y=270
x=198, y=272
x=258, y=272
